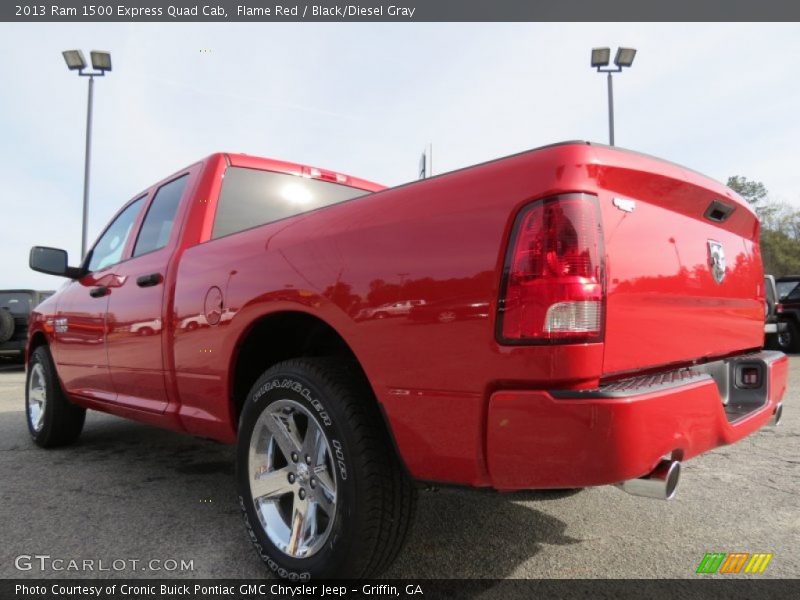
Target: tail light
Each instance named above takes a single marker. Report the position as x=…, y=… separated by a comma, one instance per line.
x=553, y=288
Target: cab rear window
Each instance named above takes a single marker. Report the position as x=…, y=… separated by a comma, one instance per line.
x=251, y=197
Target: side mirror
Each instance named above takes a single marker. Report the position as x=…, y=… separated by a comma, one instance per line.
x=52, y=261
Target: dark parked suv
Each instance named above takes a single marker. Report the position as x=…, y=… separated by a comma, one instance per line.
x=15, y=309
x=788, y=313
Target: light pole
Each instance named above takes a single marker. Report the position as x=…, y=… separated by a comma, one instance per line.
x=600, y=59
x=101, y=62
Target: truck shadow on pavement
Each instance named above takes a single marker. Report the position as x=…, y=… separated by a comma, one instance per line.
x=164, y=481
x=472, y=534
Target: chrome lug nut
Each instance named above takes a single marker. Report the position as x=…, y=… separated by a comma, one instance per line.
x=291, y=478
x=294, y=456
x=313, y=483
x=308, y=459
x=302, y=494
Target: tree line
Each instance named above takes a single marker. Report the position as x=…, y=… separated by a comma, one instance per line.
x=780, y=227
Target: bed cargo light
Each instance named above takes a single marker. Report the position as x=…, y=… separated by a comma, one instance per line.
x=554, y=288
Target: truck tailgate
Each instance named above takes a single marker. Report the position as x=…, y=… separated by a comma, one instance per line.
x=683, y=271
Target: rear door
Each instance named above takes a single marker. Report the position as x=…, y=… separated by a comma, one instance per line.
x=137, y=307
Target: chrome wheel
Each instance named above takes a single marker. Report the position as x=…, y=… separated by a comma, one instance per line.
x=37, y=397
x=292, y=481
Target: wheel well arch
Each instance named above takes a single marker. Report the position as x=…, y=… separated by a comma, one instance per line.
x=302, y=335
x=277, y=337
x=37, y=339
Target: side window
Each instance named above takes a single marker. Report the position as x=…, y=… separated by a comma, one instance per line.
x=160, y=217
x=108, y=249
x=17, y=303
x=785, y=288
x=250, y=197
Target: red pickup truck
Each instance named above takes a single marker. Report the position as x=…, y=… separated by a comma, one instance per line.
x=575, y=315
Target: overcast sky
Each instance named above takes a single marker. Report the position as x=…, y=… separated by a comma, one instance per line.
x=364, y=99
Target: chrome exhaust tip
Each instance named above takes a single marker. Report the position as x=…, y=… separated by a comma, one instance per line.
x=777, y=415
x=661, y=483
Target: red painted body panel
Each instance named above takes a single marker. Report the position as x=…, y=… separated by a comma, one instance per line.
x=410, y=278
x=80, y=353
x=537, y=441
x=658, y=277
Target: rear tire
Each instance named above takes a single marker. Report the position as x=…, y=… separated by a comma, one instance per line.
x=789, y=340
x=6, y=325
x=52, y=419
x=363, y=500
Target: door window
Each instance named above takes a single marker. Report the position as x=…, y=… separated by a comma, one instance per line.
x=160, y=217
x=108, y=249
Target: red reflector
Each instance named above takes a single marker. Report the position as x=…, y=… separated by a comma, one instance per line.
x=554, y=287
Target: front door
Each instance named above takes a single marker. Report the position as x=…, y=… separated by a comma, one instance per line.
x=80, y=323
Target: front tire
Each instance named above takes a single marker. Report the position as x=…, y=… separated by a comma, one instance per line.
x=322, y=492
x=52, y=419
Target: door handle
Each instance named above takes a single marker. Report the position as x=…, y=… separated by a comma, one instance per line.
x=149, y=280
x=98, y=292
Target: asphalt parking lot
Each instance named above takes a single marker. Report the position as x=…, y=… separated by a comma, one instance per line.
x=131, y=492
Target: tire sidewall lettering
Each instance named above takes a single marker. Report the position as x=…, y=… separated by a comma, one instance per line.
x=299, y=388
x=270, y=562
x=264, y=395
x=340, y=461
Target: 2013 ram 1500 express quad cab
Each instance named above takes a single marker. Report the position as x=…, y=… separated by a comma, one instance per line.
x=577, y=315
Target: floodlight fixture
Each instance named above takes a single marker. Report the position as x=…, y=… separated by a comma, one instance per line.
x=624, y=57
x=101, y=61
x=74, y=60
x=600, y=57
x=600, y=60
